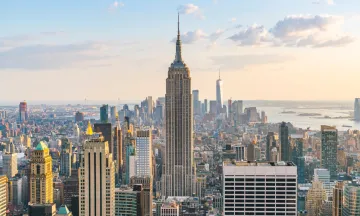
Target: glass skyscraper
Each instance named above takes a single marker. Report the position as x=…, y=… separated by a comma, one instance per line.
x=329, y=142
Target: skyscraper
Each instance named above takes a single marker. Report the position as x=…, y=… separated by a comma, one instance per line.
x=196, y=102
x=357, y=109
x=259, y=188
x=104, y=113
x=105, y=130
x=65, y=157
x=10, y=162
x=113, y=113
x=3, y=194
x=219, y=95
x=179, y=178
x=79, y=116
x=147, y=193
x=270, y=144
x=150, y=105
x=41, y=178
x=284, y=142
x=144, y=153
x=314, y=198
x=97, y=178
x=351, y=196
x=205, y=106
x=329, y=142
x=337, y=202
x=23, y=112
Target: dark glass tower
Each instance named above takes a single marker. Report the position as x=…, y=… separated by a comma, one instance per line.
x=284, y=142
x=104, y=113
x=329, y=143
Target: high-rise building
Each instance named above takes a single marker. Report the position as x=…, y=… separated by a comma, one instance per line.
x=337, y=202
x=147, y=194
x=237, y=109
x=23, y=112
x=169, y=209
x=65, y=157
x=297, y=155
x=150, y=106
x=270, y=144
x=15, y=191
x=106, y=131
x=113, y=113
x=284, y=142
x=329, y=143
x=213, y=107
x=179, y=176
x=241, y=152
x=3, y=194
x=79, y=116
x=144, y=153
x=10, y=164
x=104, y=113
x=351, y=196
x=357, y=109
x=219, y=95
x=71, y=187
x=41, y=178
x=260, y=188
x=117, y=147
x=196, y=102
x=128, y=201
x=251, y=151
x=97, y=178
x=205, y=106
x=314, y=198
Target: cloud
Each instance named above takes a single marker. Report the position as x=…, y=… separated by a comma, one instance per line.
x=230, y=62
x=116, y=5
x=299, y=25
x=341, y=41
x=191, y=9
x=252, y=35
x=296, y=31
x=192, y=36
x=38, y=57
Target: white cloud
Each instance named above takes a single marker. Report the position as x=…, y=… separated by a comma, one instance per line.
x=253, y=35
x=192, y=36
x=297, y=31
x=328, y=2
x=191, y=9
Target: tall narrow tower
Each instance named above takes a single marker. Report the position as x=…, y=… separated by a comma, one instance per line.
x=179, y=178
x=219, y=95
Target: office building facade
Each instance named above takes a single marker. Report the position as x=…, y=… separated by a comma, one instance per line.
x=144, y=153
x=96, y=179
x=104, y=113
x=267, y=188
x=10, y=164
x=329, y=147
x=65, y=157
x=284, y=142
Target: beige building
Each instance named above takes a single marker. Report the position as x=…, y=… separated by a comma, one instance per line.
x=338, y=191
x=169, y=209
x=314, y=198
x=179, y=172
x=3, y=194
x=41, y=177
x=97, y=178
x=10, y=164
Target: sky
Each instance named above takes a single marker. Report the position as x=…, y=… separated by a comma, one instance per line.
x=108, y=50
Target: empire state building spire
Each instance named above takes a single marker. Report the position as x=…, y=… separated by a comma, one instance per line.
x=178, y=58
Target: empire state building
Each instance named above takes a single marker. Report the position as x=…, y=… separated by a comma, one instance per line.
x=179, y=176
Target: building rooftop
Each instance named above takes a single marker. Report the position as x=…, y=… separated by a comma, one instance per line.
x=63, y=210
x=248, y=163
x=41, y=146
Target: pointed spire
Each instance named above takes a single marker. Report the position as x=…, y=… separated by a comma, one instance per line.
x=219, y=74
x=178, y=57
x=89, y=130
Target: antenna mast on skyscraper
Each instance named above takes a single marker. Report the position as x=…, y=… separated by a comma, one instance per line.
x=219, y=73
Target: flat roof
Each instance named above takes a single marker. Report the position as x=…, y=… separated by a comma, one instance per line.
x=248, y=163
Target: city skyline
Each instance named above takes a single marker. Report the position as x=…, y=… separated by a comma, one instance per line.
x=91, y=42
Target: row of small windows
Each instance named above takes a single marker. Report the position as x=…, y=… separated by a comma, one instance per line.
x=260, y=192
x=261, y=179
x=248, y=199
